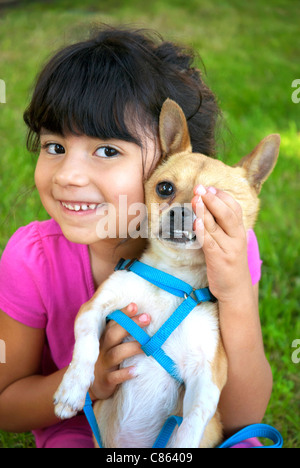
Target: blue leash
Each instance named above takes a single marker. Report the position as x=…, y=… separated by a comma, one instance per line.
x=152, y=346
x=255, y=430
x=90, y=416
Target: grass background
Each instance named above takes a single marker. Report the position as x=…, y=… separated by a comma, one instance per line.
x=251, y=51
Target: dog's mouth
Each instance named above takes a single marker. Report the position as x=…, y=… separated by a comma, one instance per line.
x=178, y=237
x=176, y=226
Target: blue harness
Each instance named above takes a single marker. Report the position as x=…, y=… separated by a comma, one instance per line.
x=152, y=347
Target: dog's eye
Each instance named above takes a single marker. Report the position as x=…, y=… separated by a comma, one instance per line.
x=165, y=189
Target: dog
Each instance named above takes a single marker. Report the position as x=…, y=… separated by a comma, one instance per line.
x=134, y=415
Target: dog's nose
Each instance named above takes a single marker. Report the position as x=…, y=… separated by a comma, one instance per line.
x=178, y=216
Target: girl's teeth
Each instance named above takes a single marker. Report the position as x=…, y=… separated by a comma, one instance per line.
x=83, y=207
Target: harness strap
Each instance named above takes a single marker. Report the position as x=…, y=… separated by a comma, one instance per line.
x=167, y=430
x=170, y=325
x=142, y=337
x=164, y=281
x=152, y=346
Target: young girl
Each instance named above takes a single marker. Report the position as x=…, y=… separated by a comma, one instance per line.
x=94, y=120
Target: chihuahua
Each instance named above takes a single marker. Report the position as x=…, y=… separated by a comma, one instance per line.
x=135, y=414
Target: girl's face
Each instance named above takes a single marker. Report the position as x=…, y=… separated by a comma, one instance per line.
x=79, y=177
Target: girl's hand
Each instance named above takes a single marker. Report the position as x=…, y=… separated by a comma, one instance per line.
x=113, y=351
x=224, y=239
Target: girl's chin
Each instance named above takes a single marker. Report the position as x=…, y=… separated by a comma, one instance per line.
x=85, y=236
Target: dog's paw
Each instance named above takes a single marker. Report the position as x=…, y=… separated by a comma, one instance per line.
x=70, y=395
x=63, y=411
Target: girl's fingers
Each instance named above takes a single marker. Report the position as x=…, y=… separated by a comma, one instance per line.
x=224, y=215
x=119, y=376
x=209, y=234
x=225, y=212
x=211, y=224
x=207, y=230
x=115, y=334
x=116, y=355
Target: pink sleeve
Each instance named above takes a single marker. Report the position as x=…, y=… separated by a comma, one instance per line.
x=254, y=260
x=22, y=267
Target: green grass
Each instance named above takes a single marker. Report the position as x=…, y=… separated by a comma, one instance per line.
x=251, y=51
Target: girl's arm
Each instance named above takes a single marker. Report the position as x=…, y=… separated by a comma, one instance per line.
x=246, y=395
x=26, y=396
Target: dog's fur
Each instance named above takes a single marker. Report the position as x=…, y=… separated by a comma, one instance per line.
x=134, y=415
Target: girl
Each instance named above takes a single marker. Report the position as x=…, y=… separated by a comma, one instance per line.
x=93, y=118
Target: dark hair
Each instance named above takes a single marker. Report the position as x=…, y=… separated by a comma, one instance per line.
x=102, y=86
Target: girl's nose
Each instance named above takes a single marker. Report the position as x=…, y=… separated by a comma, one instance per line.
x=72, y=172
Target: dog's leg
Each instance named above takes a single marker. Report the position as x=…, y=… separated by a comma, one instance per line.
x=199, y=405
x=89, y=325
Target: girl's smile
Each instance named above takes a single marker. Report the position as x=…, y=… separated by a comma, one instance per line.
x=81, y=208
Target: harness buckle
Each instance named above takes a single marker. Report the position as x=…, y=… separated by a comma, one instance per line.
x=119, y=264
x=129, y=264
x=192, y=295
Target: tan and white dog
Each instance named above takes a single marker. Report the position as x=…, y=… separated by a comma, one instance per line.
x=135, y=414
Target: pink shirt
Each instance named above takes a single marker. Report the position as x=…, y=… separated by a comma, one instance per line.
x=44, y=279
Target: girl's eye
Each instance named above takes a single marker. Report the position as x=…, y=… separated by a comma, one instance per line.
x=54, y=148
x=107, y=152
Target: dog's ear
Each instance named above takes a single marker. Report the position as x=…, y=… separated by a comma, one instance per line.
x=261, y=161
x=173, y=129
